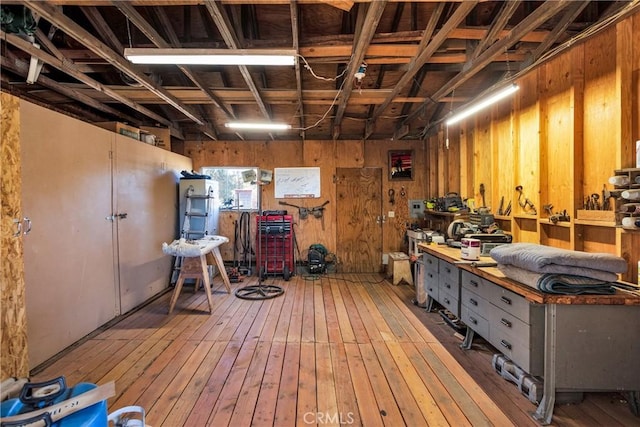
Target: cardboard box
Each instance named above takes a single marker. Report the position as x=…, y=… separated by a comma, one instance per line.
x=121, y=128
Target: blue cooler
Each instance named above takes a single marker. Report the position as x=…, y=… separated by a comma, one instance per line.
x=35, y=396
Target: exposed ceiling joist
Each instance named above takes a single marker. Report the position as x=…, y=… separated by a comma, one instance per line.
x=367, y=31
x=418, y=55
x=69, y=69
x=222, y=22
x=22, y=68
x=475, y=65
x=430, y=45
x=56, y=17
x=136, y=18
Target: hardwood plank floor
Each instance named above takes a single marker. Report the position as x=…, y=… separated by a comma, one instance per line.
x=340, y=349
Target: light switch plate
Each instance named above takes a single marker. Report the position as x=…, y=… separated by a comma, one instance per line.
x=391, y=214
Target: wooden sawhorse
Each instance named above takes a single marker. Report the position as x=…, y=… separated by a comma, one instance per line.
x=196, y=268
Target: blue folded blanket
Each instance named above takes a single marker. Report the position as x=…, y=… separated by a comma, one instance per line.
x=564, y=284
x=547, y=259
x=573, y=285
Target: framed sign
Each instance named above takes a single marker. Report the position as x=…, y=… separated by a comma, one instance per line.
x=400, y=165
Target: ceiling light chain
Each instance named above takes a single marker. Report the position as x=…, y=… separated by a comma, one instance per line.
x=129, y=31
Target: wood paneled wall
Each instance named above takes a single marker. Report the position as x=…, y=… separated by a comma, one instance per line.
x=574, y=121
x=327, y=155
x=13, y=320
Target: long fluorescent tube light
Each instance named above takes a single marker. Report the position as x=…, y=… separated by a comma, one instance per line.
x=211, y=56
x=257, y=126
x=482, y=104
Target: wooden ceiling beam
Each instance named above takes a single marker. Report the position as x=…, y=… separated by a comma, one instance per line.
x=428, y=47
x=68, y=68
x=506, y=12
x=222, y=22
x=158, y=40
x=295, y=31
x=471, y=68
x=190, y=95
x=397, y=16
x=569, y=16
x=366, y=33
x=22, y=68
x=66, y=24
x=95, y=18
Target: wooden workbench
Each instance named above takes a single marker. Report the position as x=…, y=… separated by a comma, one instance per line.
x=578, y=342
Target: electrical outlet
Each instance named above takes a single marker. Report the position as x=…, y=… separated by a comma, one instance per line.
x=391, y=214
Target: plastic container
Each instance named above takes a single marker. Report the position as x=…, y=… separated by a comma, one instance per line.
x=40, y=395
x=470, y=249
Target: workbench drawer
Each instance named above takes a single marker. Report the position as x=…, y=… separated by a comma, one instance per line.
x=526, y=356
x=430, y=263
x=431, y=284
x=474, y=321
x=450, y=303
x=449, y=274
x=475, y=303
x=512, y=303
x=504, y=323
x=476, y=284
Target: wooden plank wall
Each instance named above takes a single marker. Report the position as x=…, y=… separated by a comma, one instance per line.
x=328, y=155
x=13, y=324
x=574, y=121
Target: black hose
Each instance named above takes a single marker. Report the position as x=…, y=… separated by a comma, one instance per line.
x=244, y=238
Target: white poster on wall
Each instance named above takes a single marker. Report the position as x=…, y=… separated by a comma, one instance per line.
x=297, y=183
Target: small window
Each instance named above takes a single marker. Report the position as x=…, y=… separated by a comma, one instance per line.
x=235, y=193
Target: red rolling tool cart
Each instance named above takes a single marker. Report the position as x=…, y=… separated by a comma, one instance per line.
x=275, y=239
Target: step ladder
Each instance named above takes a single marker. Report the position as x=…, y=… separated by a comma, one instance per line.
x=195, y=222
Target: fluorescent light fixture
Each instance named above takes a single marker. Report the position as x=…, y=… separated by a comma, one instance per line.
x=257, y=126
x=482, y=104
x=211, y=56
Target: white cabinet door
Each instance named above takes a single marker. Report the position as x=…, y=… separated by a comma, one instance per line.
x=68, y=255
x=145, y=182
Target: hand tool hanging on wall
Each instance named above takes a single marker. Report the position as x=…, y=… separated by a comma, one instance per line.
x=501, y=206
x=484, y=203
x=303, y=212
x=392, y=196
x=525, y=203
x=318, y=212
x=507, y=210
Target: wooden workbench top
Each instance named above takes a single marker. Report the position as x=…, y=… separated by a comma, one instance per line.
x=494, y=275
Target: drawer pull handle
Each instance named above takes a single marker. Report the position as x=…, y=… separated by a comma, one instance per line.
x=472, y=301
x=430, y=275
x=473, y=320
x=448, y=269
x=474, y=283
x=505, y=344
x=448, y=286
x=446, y=301
x=505, y=300
x=505, y=322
